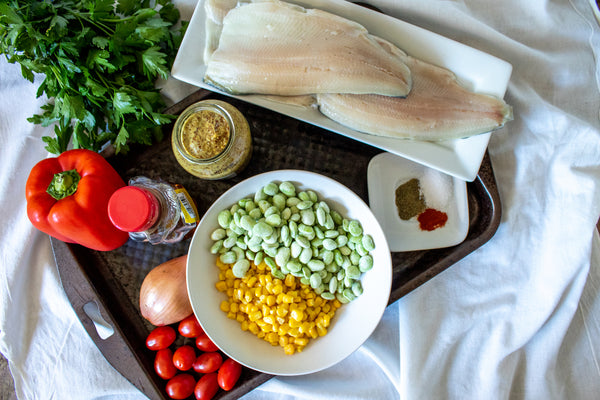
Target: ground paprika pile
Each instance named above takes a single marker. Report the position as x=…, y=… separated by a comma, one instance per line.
x=67, y=198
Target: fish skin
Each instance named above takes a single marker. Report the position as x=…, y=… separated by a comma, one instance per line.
x=276, y=48
x=437, y=108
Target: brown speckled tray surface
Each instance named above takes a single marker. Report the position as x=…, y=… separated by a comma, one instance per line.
x=112, y=279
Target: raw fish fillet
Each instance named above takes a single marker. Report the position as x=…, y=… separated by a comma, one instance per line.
x=215, y=10
x=278, y=48
x=437, y=108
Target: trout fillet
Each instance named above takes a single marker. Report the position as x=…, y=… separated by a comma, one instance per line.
x=277, y=48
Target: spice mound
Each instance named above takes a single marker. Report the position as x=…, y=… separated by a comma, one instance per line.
x=412, y=201
x=409, y=199
x=206, y=134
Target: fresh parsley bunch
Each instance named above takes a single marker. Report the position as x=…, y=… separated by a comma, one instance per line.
x=100, y=59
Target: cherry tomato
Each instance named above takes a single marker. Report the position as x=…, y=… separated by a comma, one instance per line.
x=207, y=387
x=229, y=373
x=181, y=386
x=184, y=357
x=204, y=343
x=208, y=362
x=163, y=364
x=160, y=338
x=190, y=327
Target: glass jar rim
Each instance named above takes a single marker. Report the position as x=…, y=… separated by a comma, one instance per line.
x=189, y=111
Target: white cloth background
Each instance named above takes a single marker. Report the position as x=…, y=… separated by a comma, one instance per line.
x=519, y=318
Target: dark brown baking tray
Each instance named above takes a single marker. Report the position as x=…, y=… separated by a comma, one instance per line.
x=112, y=279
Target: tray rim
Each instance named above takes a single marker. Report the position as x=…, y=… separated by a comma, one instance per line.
x=66, y=253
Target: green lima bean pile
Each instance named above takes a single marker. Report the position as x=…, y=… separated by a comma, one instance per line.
x=295, y=233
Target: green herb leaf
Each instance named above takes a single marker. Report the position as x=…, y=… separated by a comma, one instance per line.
x=100, y=60
x=155, y=63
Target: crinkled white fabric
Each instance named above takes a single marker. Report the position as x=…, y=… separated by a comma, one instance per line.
x=519, y=318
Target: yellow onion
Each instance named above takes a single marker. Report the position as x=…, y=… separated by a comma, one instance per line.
x=163, y=295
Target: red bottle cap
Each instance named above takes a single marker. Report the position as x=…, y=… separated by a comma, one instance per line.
x=133, y=209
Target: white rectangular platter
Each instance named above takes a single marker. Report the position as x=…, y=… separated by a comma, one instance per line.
x=476, y=70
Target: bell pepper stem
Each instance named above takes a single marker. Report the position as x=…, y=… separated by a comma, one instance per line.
x=63, y=184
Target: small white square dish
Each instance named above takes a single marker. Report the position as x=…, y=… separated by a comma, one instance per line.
x=476, y=70
x=442, y=192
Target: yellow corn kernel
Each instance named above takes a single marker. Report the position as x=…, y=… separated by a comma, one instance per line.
x=229, y=274
x=283, y=330
x=262, y=266
x=283, y=340
x=234, y=307
x=275, y=326
x=244, y=324
x=294, y=332
x=240, y=317
x=261, y=334
x=326, y=307
x=231, y=315
x=289, y=349
x=238, y=294
x=255, y=316
x=282, y=310
x=269, y=286
x=321, y=331
x=221, y=286
x=251, y=281
x=305, y=327
x=262, y=280
x=225, y=306
x=293, y=323
x=290, y=280
x=272, y=338
x=277, y=289
x=297, y=314
x=269, y=319
x=271, y=300
x=300, y=342
x=313, y=332
x=248, y=296
x=287, y=298
x=252, y=327
x=261, y=323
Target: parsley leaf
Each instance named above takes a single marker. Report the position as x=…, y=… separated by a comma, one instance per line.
x=100, y=60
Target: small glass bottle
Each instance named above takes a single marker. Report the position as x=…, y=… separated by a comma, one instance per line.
x=153, y=211
x=211, y=140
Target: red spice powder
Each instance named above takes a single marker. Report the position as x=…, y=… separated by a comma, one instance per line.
x=431, y=219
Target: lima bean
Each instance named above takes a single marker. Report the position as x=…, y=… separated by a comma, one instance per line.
x=294, y=232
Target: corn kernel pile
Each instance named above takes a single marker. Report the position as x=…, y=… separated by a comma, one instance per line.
x=284, y=313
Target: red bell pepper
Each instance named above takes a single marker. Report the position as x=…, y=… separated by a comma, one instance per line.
x=67, y=198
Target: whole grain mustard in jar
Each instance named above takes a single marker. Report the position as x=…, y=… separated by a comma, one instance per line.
x=211, y=140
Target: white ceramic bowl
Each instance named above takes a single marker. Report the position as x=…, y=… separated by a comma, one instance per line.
x=353, y=323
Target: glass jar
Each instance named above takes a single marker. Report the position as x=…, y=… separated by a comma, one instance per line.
x=211, y=140
x=153, y=211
